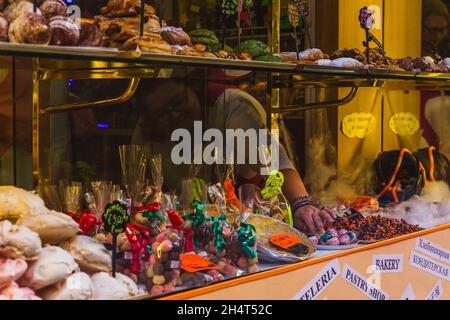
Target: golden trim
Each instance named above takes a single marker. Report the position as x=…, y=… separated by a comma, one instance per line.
x=270, y=273
x=36, y=122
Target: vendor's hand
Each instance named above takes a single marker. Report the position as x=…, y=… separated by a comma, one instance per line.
x=311, y=220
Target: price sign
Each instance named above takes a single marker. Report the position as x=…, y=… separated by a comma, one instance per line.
x=192, y=262
x=284, y=241
x=115, y=217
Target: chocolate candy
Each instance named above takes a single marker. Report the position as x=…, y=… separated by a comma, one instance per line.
x=158, y=269
x=157, y=290
x=159, y=280
x=314, y=240
x=334, y=241
x=333, y=232
x=342, y=232
x=166, y=246
x=344, y=239
x=149, y=272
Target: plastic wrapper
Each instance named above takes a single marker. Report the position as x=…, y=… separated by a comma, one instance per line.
x=71, y=196
x=50, y=194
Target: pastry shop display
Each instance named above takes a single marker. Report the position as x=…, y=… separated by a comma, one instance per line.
x=77, y=286
x=53, y=265
x=18, y=242
x=52, y=228
x=334, y=239
x=105, y=287
x=148, y=43
x=31, y=28
x=15, y=201
x=11, y=270
x=90, y=254
x=17, y=9
x=90, y=35
x=120, y=8
x=53, y=8
x=65, y=32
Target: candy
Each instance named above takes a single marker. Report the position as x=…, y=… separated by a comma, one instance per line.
x=157, y=290
x=158, y=269
x=352, y=236
x=342, y=232
x=344, y=239
x=161, y=237
x=216, y=275
x=155, y=246
x=253, y=261
x=222, y=263
x=166, y=246
x=164, y=257
x=334, y=241
x=333, y=232
x=149, y=272
x=323, y=239
x=159, y=280
x=242, y=262
x=253, y=269
x=168, y=287
x=221, y=254
x=314, y=240
x=152, y=259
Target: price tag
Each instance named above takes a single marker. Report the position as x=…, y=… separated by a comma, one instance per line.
x=127, y=255
x=174, y=264
x=192, y=262
x=115, y=217
x=284, y=241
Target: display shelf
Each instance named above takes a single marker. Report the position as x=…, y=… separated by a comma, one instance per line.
x=238, y=288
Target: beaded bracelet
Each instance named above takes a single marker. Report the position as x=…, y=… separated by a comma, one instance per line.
x=302, y=201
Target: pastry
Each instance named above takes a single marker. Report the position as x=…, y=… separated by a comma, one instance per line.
x=3, y=28
x=90, y=35
x=16, y=9
x=128, y=283
x=52, y=266
x=175, y=36
x=15, y=201
x=30, y=28
x=119, y=8
x=346, y=62
x=65, y=32
x=255, y=48
x=90, y=254
x=203, y=36
x=14, y=292
x=108, y=288
x=53, y=8
x=77, y=286
x=18, y=242
x=11, y=270
x=349, y=53
x=53, y=228
x=148, y=43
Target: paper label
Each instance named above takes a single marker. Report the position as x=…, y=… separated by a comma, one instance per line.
x=192, y=262
x=433, y=250
x=174, y=264
x=388, y=263
x=358, y=125
x=409, y=293
x=437, y=291
x=127, y=255
x=428, y=265
x=404, y=124
x=284, y=241
x=320, y=282
x=358, y=281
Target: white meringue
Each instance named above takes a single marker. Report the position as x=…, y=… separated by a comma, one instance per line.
x=18, y=242
x=90, y=254
x=128, y=283
x=14, y=292
x=53, y=227
x=77, y=286
x=15, y=201
x=11, y=270
x=52, y=266
x=108, y=288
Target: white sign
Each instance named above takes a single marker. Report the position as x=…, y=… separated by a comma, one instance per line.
x=409, y=293
x=426, y=264
x=433, y=250
x=320, y=282
x=388, y=263
x=358, y=281
x=436, y=292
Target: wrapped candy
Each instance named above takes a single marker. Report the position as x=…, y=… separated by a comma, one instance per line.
x=242, y=248
x=139, y=239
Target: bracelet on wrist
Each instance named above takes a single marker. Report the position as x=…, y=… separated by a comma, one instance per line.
x=303, y=201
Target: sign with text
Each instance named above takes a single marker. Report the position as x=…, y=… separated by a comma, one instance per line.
x=433, y=250
x=360, y=282
x=436, y=292
x=428, y=265
x=358, y=125
x=388, y=263
x=319, y=282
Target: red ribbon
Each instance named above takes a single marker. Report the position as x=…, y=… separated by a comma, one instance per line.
x=188, y=238
x=174, y=218
x=231, y=193
x=139, y=239
x=155, y=206
x=86, y=221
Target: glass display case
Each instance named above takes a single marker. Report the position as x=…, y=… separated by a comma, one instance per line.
x=137, y=79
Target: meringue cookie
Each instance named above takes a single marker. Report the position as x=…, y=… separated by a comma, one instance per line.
x=18, y=242
x=14, y=292
x=90, y=254
x=15, y=201
x=128, y=283
x=53, y=265
x=108, y=288
x=346, y=62
x=53, y=228
x=11, y=270
x=77, y=286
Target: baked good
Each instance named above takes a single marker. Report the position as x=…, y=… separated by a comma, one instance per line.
x=53, y=8
x=90, y=254
x=11, y=270
x=255, y=48
x=90, y=35
x=18, y=242
x=15, y=201
x=14, y=292
x=148, y=43
x=108, y=288
x=269, y=58
x=53, y=227
x=65, y=32
x=77, y=286
x=3, y=28
x=203, y=36
x=52, y=266
x=349, y=53
x=120, y=8
x=175, y=36
x=16, y=9
x=345, y=62
x=30, y=28
x=128, y=283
